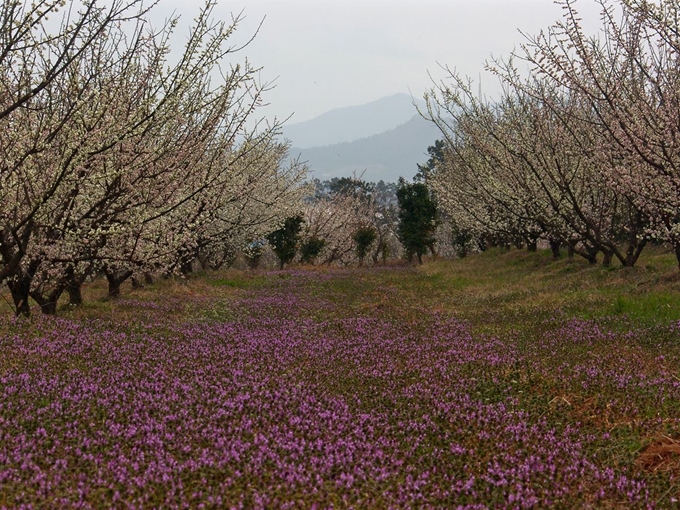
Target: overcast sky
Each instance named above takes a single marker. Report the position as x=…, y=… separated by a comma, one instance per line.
x=325, y=54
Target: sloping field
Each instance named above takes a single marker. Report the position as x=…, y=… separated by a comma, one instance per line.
x=503, y=381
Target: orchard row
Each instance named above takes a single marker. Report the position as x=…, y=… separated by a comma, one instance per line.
x=582, y=151
x=122, y=161
x=126, y=158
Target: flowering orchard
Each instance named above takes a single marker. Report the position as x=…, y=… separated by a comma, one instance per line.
x=334, y=388
x=583, y=151
x=119, y=161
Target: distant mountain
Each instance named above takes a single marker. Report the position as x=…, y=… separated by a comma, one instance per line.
x=384, y=156
x=352, y=122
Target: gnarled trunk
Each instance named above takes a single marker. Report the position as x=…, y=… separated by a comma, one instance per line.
x=48, y=303
x=116, y=280
x=586, y=251
x=73, y=284
x=75, y=294
x=20, y=287
x=633, y=254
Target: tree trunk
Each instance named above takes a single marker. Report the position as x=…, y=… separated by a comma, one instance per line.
x=591, y=254
x=20, y=287
x=116, y=280
x=49, y=308
x=75, y=293
x=532, y=246
x=555, y=248
x=376, y=254
x=607, y=260
x=633, y=253
x=114, y=285
x=204, y=260
x=186, y=267
x=73, y=286
x=48, y=304
x=636, y=242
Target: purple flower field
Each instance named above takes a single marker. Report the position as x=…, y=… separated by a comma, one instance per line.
x=286, y=396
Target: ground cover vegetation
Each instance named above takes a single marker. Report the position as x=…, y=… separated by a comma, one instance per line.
x=505, y=380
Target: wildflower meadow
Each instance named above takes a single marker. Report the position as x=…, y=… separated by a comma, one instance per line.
x=441, y=386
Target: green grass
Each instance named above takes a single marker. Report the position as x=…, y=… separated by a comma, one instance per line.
x=654, y=307
x=518, y=282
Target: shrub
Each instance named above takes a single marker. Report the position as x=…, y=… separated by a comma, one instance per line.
x=364, y=238
x=310, y=249
x=284, y=241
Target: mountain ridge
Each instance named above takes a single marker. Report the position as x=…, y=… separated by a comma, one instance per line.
x=383, y=156
x=352, y=123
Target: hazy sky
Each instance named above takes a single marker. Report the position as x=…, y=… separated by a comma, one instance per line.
x=324, y=54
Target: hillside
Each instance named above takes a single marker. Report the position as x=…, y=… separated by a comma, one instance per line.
x=352, y=123
x=383, y=156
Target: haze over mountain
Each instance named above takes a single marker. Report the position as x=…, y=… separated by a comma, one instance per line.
x=383, y=140
x=353, y=122
x=385, y=156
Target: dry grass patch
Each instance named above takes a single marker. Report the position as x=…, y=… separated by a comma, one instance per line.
x=662, y=455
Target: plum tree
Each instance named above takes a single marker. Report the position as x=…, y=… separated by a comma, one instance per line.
x=117, y=161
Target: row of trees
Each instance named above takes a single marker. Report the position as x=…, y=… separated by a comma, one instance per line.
x=584, y=151
x=117, y=160
x=342, y=221
x=125, y=160
x=348, y=220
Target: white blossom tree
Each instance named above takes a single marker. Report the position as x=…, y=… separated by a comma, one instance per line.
x=335, y=219
x=125, y=164
x=629, y=76
x=554, y=156
x=41, y=109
